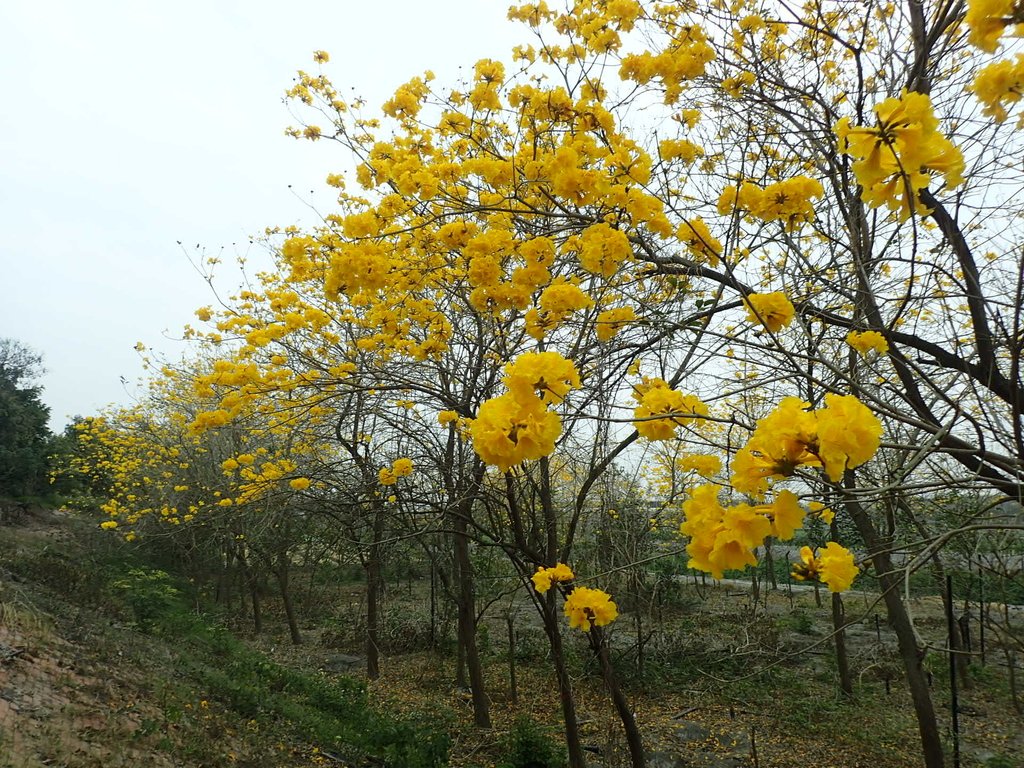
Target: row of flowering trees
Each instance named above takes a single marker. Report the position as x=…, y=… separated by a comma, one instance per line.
x=780, y=243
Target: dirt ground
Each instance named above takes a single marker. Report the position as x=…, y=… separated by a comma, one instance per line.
x=725, y=685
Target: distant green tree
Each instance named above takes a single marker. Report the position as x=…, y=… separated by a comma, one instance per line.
x=24, y=435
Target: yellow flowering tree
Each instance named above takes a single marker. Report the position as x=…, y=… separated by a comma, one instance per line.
x=771, y=239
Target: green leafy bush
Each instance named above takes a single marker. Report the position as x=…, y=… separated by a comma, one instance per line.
x=529, y=746
x=150, y=594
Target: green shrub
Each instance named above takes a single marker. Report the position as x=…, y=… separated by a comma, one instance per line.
x=150, y=594
x=529, y=746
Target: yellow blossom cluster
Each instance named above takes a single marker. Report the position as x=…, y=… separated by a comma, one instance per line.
x=834, y=566
x=772, y=310
x=399, y=468
x=987, y=19
x=608, y=323
x=789, y=201
x=900, y=155
x=662, y=410
x=520, y=425
x=587, y=607
x=557, y=302
x=724, y=538
x=702, y=245
x=842, y=435
x=705, y=465
x=867, y=341
x=545, y=577
x=1000, y=84
x=683, y=58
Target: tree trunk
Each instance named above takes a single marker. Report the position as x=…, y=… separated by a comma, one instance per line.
x=467, y=620
x=910, y=653
x=289, y=606
x=372, y=565
x=513, y=689
x=839, y=633
x=372, y=568
x=572, y=725
x=625, y=712
x=769, y=564
x=252, y=583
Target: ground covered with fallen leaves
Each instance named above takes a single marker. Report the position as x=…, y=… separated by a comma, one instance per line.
x=724, y=681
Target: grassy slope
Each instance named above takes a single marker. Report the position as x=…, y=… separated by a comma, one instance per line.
x=108, y=679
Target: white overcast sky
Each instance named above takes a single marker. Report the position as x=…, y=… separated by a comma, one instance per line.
x=128, y=126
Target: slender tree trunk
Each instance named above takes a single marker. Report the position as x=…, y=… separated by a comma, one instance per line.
x=839, y=634
x=625, y=712
x=467, y=620
x=512, y=687
x=286, y=597
x=372, y=568
x=572, y=725
x=910, y=653
x=461, y=678
x=252, y=583
x=769, y=564
x=374, y=580
x=957, y=646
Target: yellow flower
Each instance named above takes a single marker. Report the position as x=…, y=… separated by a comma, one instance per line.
x=807, y=568
x=865, y=341
x=508, y=431
x=662, y=409
x=562, y=299
x=108, y=525
x=611, y=321
x=299, y=483
x=699, y=241
x=544, y=375
x=987, y=19
x=545, y=577
x=782, y=442
x=402, y=467
x=836, y=567
x=819, y=510
x=772, y=310
x=588, y=607
x=703, y=464
x=848, y=434
x=999, y=84
x=902, y=151
x=603, y=249
x=721, y=539
x=786, y=514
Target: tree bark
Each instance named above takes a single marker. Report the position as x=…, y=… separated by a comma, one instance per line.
x=625, y=712
x=910, y=654
x=289, y=607
x=839, y=634
x=570, y=720
x=373, y=566
x=252, y=583
x=467, y=620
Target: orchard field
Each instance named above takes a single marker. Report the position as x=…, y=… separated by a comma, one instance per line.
x=651, y=396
